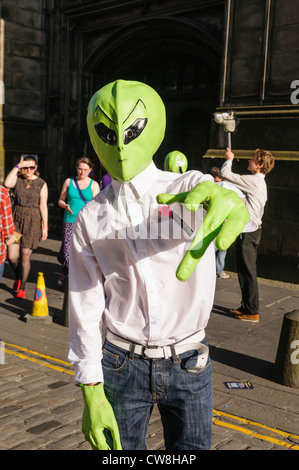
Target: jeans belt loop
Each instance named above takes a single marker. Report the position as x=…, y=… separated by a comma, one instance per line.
x=131, y=352
x=175, y=357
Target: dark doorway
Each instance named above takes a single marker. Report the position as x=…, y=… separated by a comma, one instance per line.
x=182, y=62
x=190, y=135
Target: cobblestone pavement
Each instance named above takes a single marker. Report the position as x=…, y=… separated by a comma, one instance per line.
x=41, y=409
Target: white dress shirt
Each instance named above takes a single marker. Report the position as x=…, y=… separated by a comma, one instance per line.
x=253, y=186
x=122, y=271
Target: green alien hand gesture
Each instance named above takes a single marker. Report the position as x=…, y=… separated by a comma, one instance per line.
x=226, y=217
x=98, y=418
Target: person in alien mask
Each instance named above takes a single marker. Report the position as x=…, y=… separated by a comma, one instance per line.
x=149, y=289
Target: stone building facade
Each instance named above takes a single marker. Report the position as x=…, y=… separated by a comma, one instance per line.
x=23, y=70
x=259, y=81
x=202, y=56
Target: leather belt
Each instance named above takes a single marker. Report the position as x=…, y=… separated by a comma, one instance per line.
x=158, y=352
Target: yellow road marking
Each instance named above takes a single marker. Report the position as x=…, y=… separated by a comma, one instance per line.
x=255, y=435
x=216, y=421
x=40, y=362
x=38, y=354
x=254, y=423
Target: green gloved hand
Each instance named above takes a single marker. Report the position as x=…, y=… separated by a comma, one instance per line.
x=223, y=205
x=98, y=417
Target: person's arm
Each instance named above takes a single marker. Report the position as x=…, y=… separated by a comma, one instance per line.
x=225, y=219
x=95, y=188
x=7, y=220
x=12, y=177
x=229, y=155
x=86, y=306
x=242, y=182
x=43, y=207
x=62, y=201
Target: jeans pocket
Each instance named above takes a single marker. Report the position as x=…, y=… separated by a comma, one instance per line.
x=114, y=360
x=195, y=361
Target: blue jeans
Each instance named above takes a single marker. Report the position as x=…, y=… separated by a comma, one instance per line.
x=220, y=261
x=2, y=266
x=134, y=385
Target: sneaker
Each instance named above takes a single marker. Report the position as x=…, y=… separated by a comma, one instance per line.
x=21, y=294
x=245, y=317
x=16, y=285
x=223, y=276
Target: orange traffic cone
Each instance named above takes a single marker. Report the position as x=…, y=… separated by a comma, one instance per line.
x=40, y=302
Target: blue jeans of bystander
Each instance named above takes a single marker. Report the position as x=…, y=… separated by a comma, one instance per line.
x=2, y=266
x=220, y=261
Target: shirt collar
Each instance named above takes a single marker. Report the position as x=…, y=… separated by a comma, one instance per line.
x=140, y=183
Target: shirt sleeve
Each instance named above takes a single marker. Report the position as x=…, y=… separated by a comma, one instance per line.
x=243, y=182
x=7, y=220
x=86, y=306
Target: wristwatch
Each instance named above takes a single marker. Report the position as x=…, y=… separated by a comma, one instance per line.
x=17, y=166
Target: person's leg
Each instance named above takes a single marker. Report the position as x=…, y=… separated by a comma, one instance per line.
x=126, y=384
x=13, y=253
x=184, y=399
x=220, y=263
x=64, y=253
x=2, y=269
x=25, y=266
x=246, y=266
x=186, y=405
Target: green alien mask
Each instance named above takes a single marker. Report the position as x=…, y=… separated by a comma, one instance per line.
x=176, y=162
x=126, y=123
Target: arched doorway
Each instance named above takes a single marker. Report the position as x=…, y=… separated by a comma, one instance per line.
x=181, y=60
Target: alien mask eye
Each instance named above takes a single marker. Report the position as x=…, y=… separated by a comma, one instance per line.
x=107, y=135
x=134, y=130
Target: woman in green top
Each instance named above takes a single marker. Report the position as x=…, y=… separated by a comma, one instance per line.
x=75, y=193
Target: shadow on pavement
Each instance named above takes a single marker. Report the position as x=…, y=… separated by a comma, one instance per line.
x=218, y=309
x=242, y=362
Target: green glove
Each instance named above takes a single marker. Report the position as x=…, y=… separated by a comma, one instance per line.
x=223, y=205
x=98, y=417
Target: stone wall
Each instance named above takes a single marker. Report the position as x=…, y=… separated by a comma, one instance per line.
x=261, y=63
x=25, y=66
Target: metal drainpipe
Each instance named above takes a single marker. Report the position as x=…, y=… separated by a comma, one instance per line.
x=229, y=3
